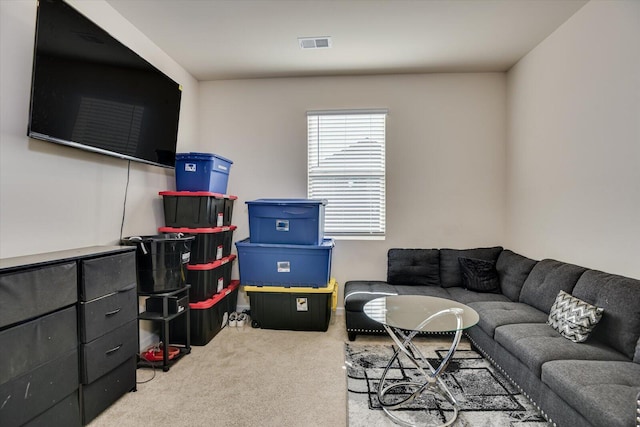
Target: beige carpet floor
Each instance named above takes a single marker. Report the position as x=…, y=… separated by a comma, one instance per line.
x=248, y=377
x=245, y=377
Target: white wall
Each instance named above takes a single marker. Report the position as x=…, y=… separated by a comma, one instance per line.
x=445, y=154
x=574, y=142
x=54, y=197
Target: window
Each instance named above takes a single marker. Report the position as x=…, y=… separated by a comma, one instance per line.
x=346, y=166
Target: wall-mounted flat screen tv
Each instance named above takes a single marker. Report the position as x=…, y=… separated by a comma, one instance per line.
x=92, y=92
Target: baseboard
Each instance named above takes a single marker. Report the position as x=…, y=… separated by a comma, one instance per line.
x=242, y=308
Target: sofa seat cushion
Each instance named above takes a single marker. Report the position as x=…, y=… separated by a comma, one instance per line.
x=430, y=291
x=413, y=267
x=467, y=296
x=546, y=280
x=497, y=313
x=533, y=344
x=604, y=392
x=620, y=298
x=450, y=274
x=359, y=292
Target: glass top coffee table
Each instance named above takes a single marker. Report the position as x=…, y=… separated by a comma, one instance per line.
x=405, y=316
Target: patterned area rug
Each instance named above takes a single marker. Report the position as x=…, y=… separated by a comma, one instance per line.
x=485, y=397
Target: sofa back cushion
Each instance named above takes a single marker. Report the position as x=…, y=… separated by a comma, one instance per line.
x=620, y=298
x=547, y=278
x=513, y=270
x=413, y=267
x=450, y=274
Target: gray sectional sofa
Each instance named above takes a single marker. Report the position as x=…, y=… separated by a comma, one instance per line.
x=590, y=383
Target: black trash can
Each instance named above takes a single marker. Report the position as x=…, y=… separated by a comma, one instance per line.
x=161, y=261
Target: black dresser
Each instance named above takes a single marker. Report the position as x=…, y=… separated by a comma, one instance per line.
x=68, y=334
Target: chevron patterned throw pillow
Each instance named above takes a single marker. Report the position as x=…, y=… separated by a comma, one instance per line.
x=573, y=318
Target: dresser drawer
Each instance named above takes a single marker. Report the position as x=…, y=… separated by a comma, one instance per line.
x=28, y=345
x=32, y=292
x=102, y=315
x=66, y=413
x=108, y=274
x=99, y=395
x=110, y=350
x=37, y=390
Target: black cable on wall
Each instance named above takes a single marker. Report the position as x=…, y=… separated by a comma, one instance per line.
x=126, y=191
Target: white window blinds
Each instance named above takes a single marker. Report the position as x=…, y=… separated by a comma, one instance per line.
x=346, y=166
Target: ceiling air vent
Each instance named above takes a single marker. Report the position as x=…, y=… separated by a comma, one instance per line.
x=314, y=42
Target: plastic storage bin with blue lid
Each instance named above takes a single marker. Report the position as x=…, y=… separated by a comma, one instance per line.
x=202, y=172
x=286, y=221
x=265, y=264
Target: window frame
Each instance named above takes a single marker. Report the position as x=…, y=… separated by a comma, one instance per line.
x=375, y=228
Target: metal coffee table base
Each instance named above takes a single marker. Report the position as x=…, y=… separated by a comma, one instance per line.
x=432, y=381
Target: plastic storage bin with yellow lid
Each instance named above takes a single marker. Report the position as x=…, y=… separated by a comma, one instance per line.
x=297, y=309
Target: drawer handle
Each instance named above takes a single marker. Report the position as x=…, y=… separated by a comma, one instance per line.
x=111, y=313
x=113, y=350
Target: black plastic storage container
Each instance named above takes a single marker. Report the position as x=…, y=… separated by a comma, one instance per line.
x=161, y=261
x=207, y=317
x=197, y=209
x=210, y=244
x=207, y=280
x=297, y=309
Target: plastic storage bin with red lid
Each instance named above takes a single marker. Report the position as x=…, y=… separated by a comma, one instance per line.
x=197, y=209
x=207, y=317
x=210, y=244
x=207, y=280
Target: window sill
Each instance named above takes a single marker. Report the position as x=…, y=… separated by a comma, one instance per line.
x=363, y=237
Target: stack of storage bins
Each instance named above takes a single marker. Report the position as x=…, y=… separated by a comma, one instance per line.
x=201, y=208
x=285, y=265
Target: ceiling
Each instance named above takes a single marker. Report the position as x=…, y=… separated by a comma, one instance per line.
x=238, y=39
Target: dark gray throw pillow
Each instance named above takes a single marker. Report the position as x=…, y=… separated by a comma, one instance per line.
x=479, y=275
x=450, y=274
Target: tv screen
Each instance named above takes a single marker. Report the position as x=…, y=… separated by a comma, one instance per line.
x=90, y=91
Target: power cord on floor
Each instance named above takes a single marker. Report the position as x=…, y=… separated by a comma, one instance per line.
x=153, y=368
